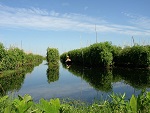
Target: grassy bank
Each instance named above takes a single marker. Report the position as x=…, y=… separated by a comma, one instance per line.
x=116, y=104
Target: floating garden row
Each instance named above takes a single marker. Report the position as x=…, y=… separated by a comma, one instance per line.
x=105, y=54
x=14, y=58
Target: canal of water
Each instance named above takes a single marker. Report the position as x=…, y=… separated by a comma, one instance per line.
x=76, y=83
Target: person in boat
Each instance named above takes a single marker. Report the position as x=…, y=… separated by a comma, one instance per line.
x=68, y=61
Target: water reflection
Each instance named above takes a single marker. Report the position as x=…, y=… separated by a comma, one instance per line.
x=53, y=73
x=13, y=80
x=137, y=78
x=102, y=80
x=99, y=79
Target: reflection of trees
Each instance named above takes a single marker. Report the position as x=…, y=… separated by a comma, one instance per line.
x=98, y=78
x=53, y=73
x=138, y=78
x=102, y=79
x=13, y=80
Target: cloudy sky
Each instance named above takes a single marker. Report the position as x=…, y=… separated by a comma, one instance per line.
x=35, y=25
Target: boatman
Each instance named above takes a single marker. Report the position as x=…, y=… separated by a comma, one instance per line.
x=68, y=59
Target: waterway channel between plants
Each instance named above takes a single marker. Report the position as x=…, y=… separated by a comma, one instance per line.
x=76, y=83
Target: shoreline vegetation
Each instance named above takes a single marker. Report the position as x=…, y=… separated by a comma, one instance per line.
x=16, y=59
x=106, y=55
x=115, y=104
x=96, y=55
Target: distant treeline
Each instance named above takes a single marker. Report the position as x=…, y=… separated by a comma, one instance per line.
x=105, y=54
x=14, y=58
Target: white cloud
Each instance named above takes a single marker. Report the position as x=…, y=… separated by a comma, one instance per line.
x=138, y=20
x=35, y=18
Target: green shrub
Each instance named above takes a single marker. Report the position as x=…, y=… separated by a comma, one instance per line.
x=116, y=104
x=96, y=55
x=52, y=56
x=136, y=56
x=14, y=58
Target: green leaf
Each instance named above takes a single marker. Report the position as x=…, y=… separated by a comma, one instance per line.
x=27, y=98
x=133, y=104
x=3, y=98
x=7, y=109
x=148, y=96
x=55, y=102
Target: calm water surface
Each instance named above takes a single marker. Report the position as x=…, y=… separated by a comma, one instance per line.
x=76, y=83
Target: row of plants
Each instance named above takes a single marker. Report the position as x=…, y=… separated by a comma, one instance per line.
x=105, y=54
x=115, y=104
x=14, y=58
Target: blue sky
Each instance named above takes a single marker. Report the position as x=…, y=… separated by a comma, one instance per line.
x=70, y=24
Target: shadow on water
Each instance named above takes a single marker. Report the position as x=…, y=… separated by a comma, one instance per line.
x=103, y=79
x=52, y=73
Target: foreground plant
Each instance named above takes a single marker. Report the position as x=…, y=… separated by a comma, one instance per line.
x=116, y=104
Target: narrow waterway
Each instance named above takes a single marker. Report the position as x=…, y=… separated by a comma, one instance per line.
x=78, y=83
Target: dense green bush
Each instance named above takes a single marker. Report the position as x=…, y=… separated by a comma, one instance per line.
x=99, y=54
x=105, y=55
x=52, y=56
x=2, y=51
x=14, y=58
x=53, y=64
x=136, y=56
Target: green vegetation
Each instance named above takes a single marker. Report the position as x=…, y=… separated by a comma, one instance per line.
x=106, y=55
x=116, y=104
x=15, y=58
x=53, y=64
x=14, y=64
x=136, y=56
x=52, y=56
